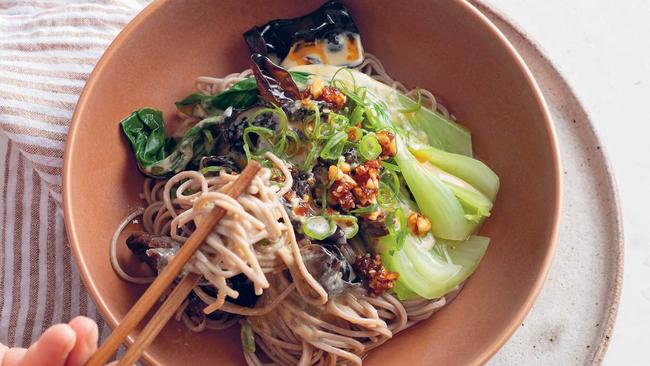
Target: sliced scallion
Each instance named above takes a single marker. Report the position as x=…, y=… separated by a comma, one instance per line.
x=247, y=338
x=365, y=210
x=334, y=146
x=348, y=224
x=369, y=147
x=248, y=143
x=211, y=169
x=318, y=227
x=311, y=156
x=357, y=115
x=417, y=105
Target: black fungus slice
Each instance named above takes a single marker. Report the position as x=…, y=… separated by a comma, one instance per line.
x=331, y=22
x=275, y=84
x=154, y=250
x=234, y=128
x=373, y=228
x=329, y=267
x=226, y=162
x=351, y=156
x=302, y=182
x=246, y=290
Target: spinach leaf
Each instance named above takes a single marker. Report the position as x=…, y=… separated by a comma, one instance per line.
x=241, y=95
x=159, y=156
x=145, y=130
x=300, y=77
x=192, y=99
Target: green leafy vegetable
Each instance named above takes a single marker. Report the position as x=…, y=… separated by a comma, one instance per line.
x=429, y=267
x=159, y=156
x=436, y=130
x=300, y=77
x=241, y=95
x=145, y=130
x=417, y=106
x=435, y=199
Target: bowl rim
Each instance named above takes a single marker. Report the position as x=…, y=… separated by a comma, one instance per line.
x=150, y=10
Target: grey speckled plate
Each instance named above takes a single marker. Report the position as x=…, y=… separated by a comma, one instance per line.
x=573, y=317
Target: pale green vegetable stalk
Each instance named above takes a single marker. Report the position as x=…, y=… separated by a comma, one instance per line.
x=435, y=199
x=472, y=171
x=428, y=267
x=437, y=130
x=432, y=273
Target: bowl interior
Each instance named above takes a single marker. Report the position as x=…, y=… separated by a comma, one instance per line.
x=444, y=46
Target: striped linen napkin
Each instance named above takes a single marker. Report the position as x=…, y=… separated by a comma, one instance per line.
x=47, y=50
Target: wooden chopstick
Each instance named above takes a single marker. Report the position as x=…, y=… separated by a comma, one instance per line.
x=159, y=319
x=167, y=276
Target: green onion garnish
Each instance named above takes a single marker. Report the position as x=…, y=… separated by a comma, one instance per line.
x=369, y=147
x=417, y=105
x=365, y=210
x=348, y=224
x=211, y=169
x=318, y=227
x=389, y=166
x=334, y=146
x=311, y=156
x=314, y=133
x=247, y=338
x=357, y=115
x=337, y=121
x=260, y=131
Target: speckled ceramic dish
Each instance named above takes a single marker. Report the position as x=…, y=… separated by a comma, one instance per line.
x=587, y=286
x=446, y=46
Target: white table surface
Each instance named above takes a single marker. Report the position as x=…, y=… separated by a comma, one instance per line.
x=602, y=47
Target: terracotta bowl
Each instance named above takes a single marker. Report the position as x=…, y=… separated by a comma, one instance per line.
x=445, y=46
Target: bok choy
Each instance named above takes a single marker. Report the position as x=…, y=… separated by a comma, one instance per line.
x=433, y=272
x=428, y=267
x=434, y=154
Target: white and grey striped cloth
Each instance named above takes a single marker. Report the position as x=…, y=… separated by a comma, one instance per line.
x=47, y=50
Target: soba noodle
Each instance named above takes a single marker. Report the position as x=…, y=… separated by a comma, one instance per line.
x=295, y=321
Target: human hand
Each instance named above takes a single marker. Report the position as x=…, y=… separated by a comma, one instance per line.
x=69, y=344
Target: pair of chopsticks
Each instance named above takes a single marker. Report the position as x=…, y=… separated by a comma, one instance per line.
x=162, y=283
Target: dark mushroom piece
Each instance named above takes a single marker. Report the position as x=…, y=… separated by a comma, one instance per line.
x=327, y=35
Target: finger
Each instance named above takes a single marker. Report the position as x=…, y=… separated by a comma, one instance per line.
x=14, y=357
x=114, y=363
x=86, y=344
x=3, y=350
x=53, y=348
